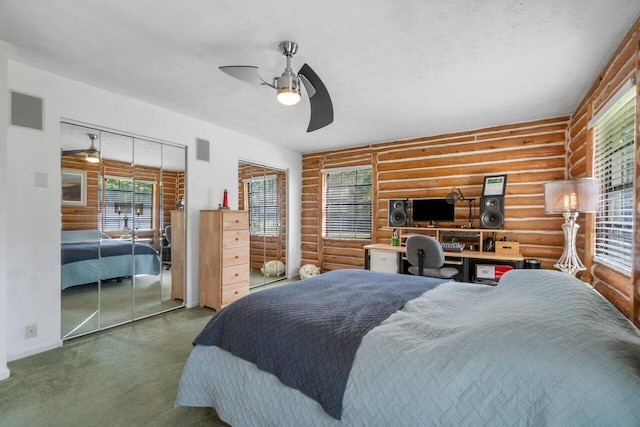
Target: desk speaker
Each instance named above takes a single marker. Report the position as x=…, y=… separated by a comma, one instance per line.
x=397, y=213
x=492, y=212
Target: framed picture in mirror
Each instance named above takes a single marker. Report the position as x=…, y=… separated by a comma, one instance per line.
x=74, y=187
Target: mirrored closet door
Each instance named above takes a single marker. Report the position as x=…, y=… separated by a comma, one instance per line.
x=263, y=192
x=122, y=222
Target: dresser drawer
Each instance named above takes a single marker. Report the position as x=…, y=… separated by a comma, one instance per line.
x=235, y=221
x=235, y=239
x=233, y=292
x=235, y=273
x=235, y=256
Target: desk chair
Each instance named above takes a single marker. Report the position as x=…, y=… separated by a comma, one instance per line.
x=426, y=257
x=166, y=247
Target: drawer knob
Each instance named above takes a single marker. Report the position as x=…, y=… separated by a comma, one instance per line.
x=236, y=274
x=236, y=292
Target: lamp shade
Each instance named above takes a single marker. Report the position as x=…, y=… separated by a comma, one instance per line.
x=572, y=195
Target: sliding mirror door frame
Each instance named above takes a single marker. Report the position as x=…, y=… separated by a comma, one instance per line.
x=263, y=192
x=80, y=301
x=117, y=210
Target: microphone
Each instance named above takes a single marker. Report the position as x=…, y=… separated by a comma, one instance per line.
x=454, y=196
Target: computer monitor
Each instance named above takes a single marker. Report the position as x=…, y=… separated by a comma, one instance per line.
x=432, y=210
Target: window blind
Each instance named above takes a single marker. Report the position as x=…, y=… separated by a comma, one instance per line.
x=347, y=209
x=613, y=164
x=264, y=215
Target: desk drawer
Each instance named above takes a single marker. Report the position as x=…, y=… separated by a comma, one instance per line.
x=385, y=261
x=507, y=248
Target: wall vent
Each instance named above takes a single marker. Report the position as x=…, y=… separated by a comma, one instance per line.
x=26, y=111
x=202, y=149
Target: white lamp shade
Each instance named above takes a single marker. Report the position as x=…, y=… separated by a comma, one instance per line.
x=573, y=195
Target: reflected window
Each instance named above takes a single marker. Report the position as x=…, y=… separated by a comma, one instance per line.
x=262, y=204
x=127, y=204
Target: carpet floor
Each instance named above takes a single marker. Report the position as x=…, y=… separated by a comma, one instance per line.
x=125, y=376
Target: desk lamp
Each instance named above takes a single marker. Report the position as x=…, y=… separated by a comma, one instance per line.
x=455, y=195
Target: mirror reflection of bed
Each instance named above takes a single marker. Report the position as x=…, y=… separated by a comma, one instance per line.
x=113, y=226
x=262, y=190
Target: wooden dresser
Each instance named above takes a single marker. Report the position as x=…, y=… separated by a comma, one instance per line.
x=224, y=257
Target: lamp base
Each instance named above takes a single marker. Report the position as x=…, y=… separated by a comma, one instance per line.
x=569, y=262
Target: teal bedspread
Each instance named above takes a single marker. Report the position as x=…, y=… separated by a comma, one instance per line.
x=538, y=349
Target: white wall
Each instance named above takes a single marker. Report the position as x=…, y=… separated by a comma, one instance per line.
x=33, y=220
x=4, y=115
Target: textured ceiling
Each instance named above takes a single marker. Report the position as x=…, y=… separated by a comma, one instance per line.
x=394, y=69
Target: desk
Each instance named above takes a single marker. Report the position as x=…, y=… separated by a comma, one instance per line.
x=461, y=258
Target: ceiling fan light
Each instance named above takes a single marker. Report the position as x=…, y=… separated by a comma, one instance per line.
x=288, y=96
x=93, y=157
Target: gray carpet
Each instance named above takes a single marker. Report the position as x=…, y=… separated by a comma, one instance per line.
x=126, y=376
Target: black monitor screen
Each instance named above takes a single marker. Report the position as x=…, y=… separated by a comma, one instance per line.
x=433, y=210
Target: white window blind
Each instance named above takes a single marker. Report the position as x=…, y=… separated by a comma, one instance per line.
x=126, y=202
x=346, y=209
x=263, y=206
x=613, y=163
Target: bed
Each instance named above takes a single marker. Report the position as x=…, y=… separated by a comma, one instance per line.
x=540, y=348
x=85, y=257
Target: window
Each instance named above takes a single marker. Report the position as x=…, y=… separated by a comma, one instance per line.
x=346, y=210
x=613, y=163
x=127, y=204
x=263, y=206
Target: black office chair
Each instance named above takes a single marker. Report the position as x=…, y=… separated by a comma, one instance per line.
x=426, y=257
x=166, y=247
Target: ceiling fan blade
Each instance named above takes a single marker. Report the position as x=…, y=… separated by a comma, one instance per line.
x=246, y=73
x=321, y=106
x=72, y=152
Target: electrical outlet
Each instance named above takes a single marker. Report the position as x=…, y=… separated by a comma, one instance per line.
x=31, y=331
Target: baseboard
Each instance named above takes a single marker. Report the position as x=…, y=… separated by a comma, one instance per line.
x=32, y=351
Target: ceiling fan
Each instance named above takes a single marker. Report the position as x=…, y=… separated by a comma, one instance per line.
x=288, y=86
x=92, y=154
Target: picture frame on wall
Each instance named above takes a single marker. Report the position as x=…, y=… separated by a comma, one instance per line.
x=494, y=185
x=74, y=187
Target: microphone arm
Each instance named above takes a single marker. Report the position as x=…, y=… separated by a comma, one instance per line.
x=470, y=200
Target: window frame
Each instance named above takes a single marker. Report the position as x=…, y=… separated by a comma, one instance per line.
x=614, y=166
x=350, y=233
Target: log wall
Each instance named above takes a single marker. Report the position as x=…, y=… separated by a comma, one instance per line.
x=86, y=217
x=623, y=65
x=530, y=154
